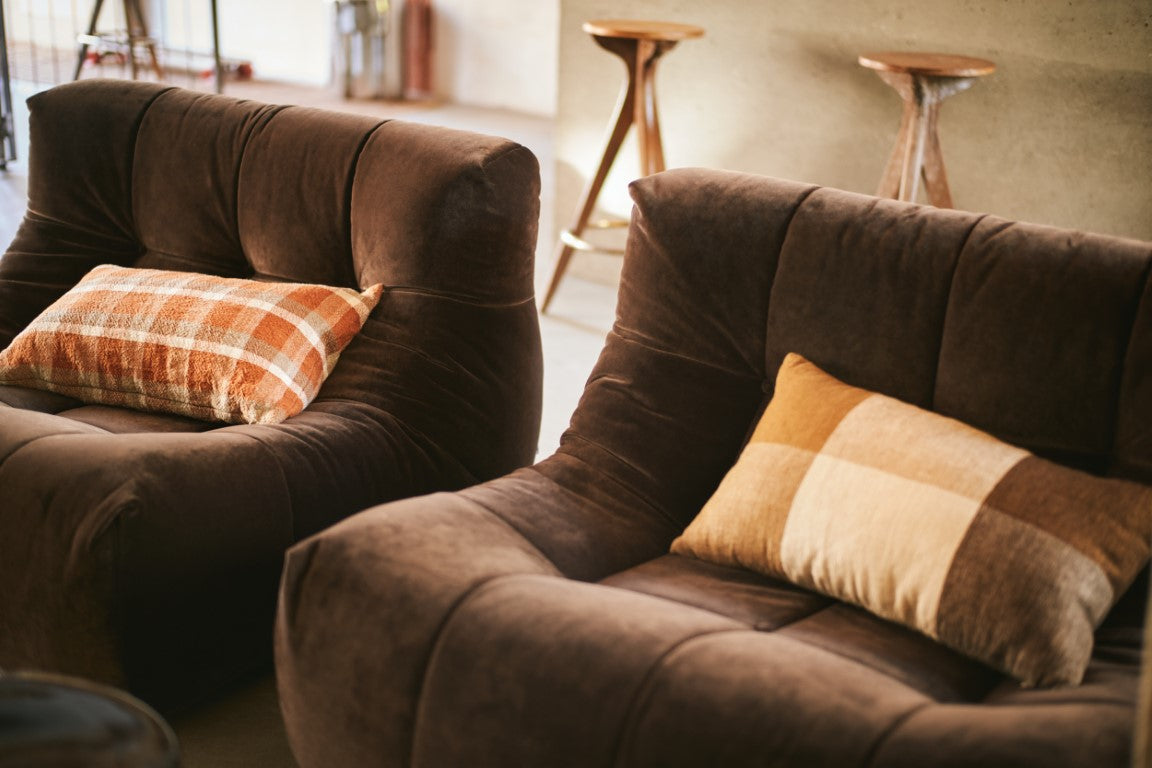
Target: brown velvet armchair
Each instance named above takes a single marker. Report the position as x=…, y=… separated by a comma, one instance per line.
x=144, y=549
x=539, y=619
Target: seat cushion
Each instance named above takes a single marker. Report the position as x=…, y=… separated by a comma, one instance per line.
x=838, y=686
x=677, y=662
x=108, y=418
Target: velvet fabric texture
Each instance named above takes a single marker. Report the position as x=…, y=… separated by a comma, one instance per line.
x=538, y=619
x=1142, y=744
x=144, y=549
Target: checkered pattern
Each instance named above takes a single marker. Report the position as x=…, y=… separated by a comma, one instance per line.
x=208, y=347
x=922, y=520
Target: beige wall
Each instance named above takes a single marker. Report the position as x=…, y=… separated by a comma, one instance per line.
x=1061, y=134
x=498, y=53
x=284, y=39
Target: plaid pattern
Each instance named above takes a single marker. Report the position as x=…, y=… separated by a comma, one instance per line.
x=1005, y=557
x=216, y=349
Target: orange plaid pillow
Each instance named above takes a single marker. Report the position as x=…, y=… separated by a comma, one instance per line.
x=216, y=349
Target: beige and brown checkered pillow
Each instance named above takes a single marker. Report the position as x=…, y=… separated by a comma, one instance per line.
x=216, y=349
x=998, y=554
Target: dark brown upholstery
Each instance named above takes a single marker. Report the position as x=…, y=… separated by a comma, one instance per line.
x=143, y=549
x=537, y=620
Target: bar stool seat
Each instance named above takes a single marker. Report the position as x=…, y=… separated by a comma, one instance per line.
x=923, y=80
x=639, y=44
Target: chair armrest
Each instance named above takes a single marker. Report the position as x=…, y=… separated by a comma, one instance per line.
x=581, y=512
x=366, y=600
x=361, y=607
x=1142, y=746
x=112, y=562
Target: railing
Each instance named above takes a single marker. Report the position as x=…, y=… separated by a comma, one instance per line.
x=47, y=42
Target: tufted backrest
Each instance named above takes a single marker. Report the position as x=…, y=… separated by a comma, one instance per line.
x=145, y=175
x=1041, y=336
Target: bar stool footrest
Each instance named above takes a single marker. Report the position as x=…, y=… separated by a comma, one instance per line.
x=576, y=242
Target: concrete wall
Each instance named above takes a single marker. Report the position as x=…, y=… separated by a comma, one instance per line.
x=498, y=53
x=1061, y=134
x=284, y=39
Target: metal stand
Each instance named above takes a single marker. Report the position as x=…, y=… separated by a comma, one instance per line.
x=7, y=121
x=216, y=48
x=362, y=31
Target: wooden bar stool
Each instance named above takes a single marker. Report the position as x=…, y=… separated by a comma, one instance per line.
x=923, y=80
x=639, y=44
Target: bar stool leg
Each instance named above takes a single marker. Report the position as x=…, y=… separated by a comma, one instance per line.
x=935, y=177
x=96, y=6
x=137, y=28
x=636, y=105
x=624, y=117
x=916, y=154
x=914, y=148
x=647, y=116
x=131, y=24
x=890, y=180
x=216, y=47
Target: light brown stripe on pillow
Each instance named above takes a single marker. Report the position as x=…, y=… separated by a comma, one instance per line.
x=999, y=554
x=743, y=523
x=1097, y=520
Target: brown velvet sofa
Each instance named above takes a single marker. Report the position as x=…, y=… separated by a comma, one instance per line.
x=539, y=619
x=144, y=549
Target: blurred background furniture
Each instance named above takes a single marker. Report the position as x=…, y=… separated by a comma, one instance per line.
x=418, y=46
x=67, y=722
x=7, y=115
x=639, y=44
x=143, y=550
x=1142, y=744
x=539, y=619
x=136, y=35
x=368, y=54
x=923, y=81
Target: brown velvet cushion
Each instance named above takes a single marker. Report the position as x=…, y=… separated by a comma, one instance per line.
x=1142, y=746
x=922, y=520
